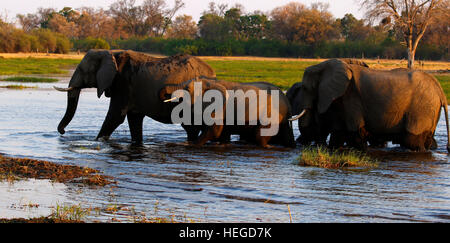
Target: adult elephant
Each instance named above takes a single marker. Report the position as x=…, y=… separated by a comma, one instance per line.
x=247, y=130
x=312, y=127
x=132, y=80
x=401, y=105
x=315, y=127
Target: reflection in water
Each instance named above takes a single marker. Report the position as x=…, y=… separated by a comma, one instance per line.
x=30, y=198
x=235, y=183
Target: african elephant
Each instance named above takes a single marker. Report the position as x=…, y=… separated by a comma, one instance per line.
x=251, y=132
x=311, y=126
x=132, y=80
x=362, y=104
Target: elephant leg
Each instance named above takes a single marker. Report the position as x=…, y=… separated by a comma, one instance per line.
x=192, y=132
x=209, y=134
x=135, y=121
x=337, y=139
x=225, y=137
x=433, y=143
x=307, y=136
x=114, y=118
x=377, y=142
x=358, y=140
x=286, y=136
x=417, y=142
x=260, y=140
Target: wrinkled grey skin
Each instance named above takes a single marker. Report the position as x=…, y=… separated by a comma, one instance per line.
x=312, y=127
x=222, y=134
x=132, y=80
x=401, y=105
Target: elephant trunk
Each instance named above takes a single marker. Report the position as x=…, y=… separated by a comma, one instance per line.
x=166, y=92
x=72, y=103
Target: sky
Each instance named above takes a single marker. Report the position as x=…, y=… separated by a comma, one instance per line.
x=11, y=8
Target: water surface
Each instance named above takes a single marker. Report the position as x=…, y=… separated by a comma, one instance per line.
x=237, y=183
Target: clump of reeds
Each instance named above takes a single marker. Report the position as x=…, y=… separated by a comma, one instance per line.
x=334, y=159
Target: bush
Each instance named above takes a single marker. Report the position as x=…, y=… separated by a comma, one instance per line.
x=47, y=40
x=63, y=45
x=90, y=43
x=370, y=48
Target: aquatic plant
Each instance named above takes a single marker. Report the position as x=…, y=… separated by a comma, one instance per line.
x=325, y=158
x=69, y=213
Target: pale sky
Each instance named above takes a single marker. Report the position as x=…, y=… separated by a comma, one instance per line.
x=192, y=7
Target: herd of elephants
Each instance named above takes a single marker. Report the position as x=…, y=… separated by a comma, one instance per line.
x=339, y=98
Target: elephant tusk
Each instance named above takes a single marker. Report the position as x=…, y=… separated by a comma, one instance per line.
x=63, y=89
x=170, y=100
x=299, y=116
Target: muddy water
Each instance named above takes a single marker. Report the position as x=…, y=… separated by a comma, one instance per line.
x=238, y=183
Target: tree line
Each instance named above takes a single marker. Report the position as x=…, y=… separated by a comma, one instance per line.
x=391, y=30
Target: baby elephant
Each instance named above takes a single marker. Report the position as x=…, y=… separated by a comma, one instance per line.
x=258, y=112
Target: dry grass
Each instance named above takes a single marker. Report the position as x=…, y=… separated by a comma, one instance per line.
x=29, y=168
x=42, y=55
x=373, y=63
x=382, y=64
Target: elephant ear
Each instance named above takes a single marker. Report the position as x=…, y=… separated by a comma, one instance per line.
x=212, y=85
x=106, y=72
x=292, y=95
x=335, y=79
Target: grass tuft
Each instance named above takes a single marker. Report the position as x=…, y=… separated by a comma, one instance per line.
x=324, y=158
x=65, y=213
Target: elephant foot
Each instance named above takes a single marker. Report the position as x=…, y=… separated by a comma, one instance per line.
x=102, y=139
x=137, y=143
x=418, y=143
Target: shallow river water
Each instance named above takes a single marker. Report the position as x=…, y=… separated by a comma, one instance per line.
x=238, y=183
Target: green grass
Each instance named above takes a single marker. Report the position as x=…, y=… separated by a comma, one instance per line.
x=281, y=73
x=324, y=158
x=30, y=79
x=69, y=213
x=445, y=83
x=14, y=66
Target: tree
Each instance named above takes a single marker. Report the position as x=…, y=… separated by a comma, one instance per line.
x=353, y=29
x=59, y=24
x=212, y=27
x=29, y=22
x=98, y=23
x=158, y=16
x=152, y=18
x=254, y=26
x=295, y=22
x=183, y=27
x=131, y=15
x=410, y=17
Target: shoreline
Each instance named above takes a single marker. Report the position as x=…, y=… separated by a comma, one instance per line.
x=428, y=65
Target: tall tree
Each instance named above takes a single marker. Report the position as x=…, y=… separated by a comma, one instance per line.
x=128, y=12
x=152, y=18
x=410, y=17
x=183, y=27
x=295, y=22
x=353, y=29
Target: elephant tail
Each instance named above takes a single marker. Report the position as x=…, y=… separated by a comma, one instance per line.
x=446, y=123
